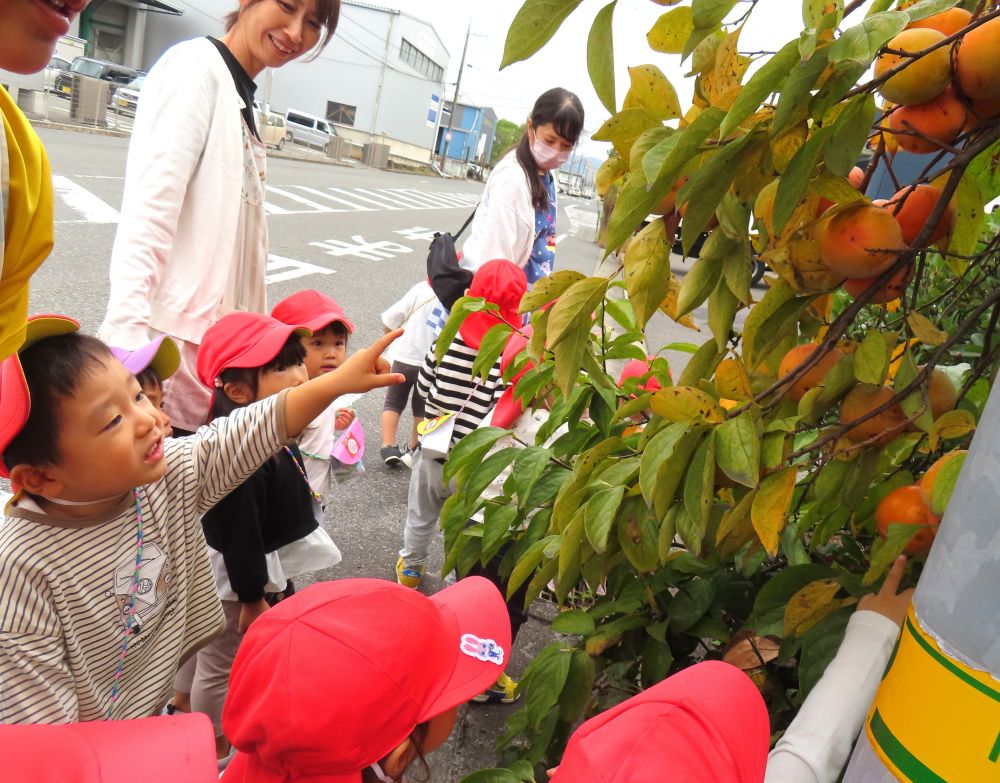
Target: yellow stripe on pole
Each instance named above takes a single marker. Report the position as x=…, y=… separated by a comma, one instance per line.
x=934, y=719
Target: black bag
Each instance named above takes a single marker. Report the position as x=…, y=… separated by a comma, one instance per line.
x=448, y=280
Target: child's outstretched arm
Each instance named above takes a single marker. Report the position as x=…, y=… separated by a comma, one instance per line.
x=363, y=371
x=816, y=746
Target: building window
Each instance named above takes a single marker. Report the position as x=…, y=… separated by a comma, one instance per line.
x=341, y=113
x=419, y=61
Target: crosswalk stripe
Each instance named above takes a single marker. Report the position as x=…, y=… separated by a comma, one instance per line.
x=316, y=206
x=81, y=200
x=331, y=197
x=406, y=200
x=385, y=201
x=430, y=200
x=357, y=195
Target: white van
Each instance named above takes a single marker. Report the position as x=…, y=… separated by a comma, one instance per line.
x=302, y=128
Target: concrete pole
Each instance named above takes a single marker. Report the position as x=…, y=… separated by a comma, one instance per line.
x=937, y=714
x=381, y=73
x=454, y=101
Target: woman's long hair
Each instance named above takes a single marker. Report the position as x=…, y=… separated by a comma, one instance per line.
x=564, y=111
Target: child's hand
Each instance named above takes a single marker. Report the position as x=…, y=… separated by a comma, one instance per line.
x=367, y=369
x=886, y=602
x=250, y=612
x=343, y=418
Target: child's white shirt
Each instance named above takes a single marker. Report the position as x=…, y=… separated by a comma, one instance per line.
x=315, y=445
x=412, y=312
x=817, y=744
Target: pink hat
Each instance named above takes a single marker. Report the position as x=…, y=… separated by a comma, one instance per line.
x=311, y=309
x=161, y=353
x=501, y=283
x=705, y=724
x=242, y=340
x=168, y=749
x=509, y=407
x=15, y=398
x=334, y=678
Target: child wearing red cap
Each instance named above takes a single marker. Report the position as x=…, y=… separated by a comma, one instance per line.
x=326, y=350
x=269, y=529
x=324, y=690
x=105, y=582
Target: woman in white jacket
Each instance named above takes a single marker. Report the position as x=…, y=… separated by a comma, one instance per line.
x=516, y=218
x=192, y=241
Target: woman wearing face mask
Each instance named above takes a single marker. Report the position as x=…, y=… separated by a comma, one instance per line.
x=192, y=242
x=516, y=218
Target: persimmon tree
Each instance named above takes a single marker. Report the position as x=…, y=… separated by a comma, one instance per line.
x=739, y=511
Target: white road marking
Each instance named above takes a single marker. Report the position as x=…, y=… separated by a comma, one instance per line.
x=314, y=206
x=560, y=238
x=82, y=201
x=330, y=197
x=291, y=269
x=369, y=251
x=579, y=218
x=383, y=203
x=416, y=234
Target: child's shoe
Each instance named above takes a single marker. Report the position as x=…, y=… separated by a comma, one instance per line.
x=503, y=691
x=409, y=575
x=406, y=457
x=391, y=456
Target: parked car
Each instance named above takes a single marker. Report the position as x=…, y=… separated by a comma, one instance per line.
x=56, y=66
x=307, y=129
x=118, y=75
x=271, y=127
x=127, y=98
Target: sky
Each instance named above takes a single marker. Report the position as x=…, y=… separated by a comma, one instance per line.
x=562, y=62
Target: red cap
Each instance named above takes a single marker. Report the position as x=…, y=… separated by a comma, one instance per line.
x=509, y=407
x=311, y=309
x=242, y=340
x=168, y=749
x=705, y=724
x=637, y=368
x=15, y=399
x=501, y=283
x=331, y=680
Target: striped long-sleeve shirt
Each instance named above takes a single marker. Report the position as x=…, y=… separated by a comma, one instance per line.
x=64, y=583
x=450, y=387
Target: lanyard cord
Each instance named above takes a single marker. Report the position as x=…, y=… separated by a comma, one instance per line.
x=302, y=472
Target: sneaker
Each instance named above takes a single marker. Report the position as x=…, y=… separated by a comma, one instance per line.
x=503, y=691
x=391, y=456
x=407, y=456
x=409, y=575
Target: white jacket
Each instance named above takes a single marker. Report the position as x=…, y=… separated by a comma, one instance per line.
x=504, y=225
x=177, y=236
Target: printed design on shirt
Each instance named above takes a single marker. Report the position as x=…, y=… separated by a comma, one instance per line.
x=543, y=251
x=154, y=581
x=437, y=319
x=485, y=650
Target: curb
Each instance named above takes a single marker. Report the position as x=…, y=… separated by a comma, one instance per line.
x=91, y=130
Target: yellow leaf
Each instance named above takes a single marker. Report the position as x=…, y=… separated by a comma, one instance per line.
x=800, y=264
x=953, y=424
x=732, y=380
x=810, y=605
x=686, y=403
x=624, y=128
x=770, y=505
x=787, y=144
x=610, y=172
x=671, y=31
x=652, y=91
x=721, y=82
x=897, y=356
x=924, y=330
x=669, y=306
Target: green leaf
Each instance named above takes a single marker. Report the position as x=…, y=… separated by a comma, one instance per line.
x=549, y=288
x=871, y=360
x=493, y=775
x=672, y=471
x=709, y=13
x=737, y=448
x=494, y=341
x=778, y=325
x=573, y=623
x=916, y=404
x=569, y=327
x=599, y=516
x=638, y=535
x=969, y=216
x=986, y=169
x=535, y=23
x=693, y=599
x=722, y=308
x=647, y=270
x=688, y=145
x=849, y=133
x=795, y=90
x=944, y=484
x=527, y=564
x=601, y=57
x=496, y=526
x=671, y=31
x=701, y=365
x=773, y=596
x=775, y=297
x=897, y=538
x=704, y=190
x=634, y=203
x=543, y=681
x=926, y=8
x=816, y=15
x=576, y=693
x=699, y=489
x=760, y=85
x=794, y=182
x=462, y=307
x=697, y=284
x=470, y=450
x=861, y=43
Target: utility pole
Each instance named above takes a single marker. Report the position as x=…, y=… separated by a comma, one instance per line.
x=454, y=101
x=381, y=75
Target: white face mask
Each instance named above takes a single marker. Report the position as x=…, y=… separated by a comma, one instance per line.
x=546, y=156
x=381, y=775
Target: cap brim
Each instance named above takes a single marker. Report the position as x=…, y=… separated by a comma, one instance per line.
x=40, y=327
x=162, y=354
x=472, y=609
x=244, y=768
x=265, y=349
x=320, y=322
x=170, y=749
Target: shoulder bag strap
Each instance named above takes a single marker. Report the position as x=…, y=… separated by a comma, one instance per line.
x=465, y=225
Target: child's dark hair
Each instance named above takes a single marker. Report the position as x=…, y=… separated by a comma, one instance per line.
x=335, y=328
x=148, y=379
x=291, y=354
x=54, y=368
x=564, y=111
x=328, y=12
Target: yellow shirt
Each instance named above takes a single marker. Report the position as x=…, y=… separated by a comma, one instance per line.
x=25, y=219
